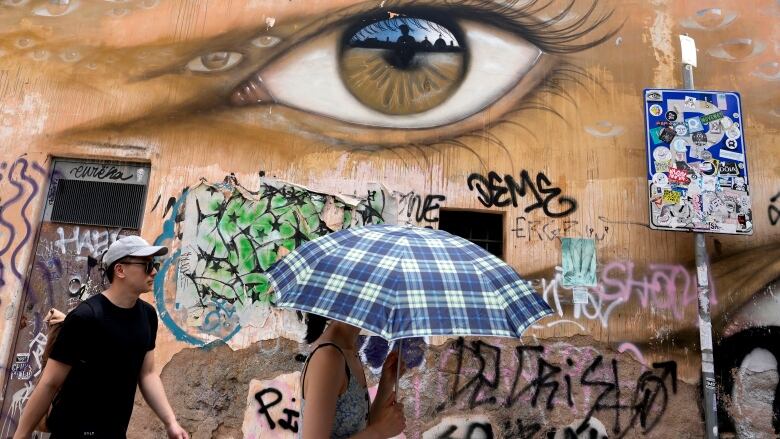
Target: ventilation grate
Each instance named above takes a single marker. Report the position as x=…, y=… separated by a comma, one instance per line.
x=99, y=203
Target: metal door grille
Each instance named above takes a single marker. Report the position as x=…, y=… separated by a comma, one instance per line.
x=99, y=203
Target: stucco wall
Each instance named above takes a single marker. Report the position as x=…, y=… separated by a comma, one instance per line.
x=166, y=83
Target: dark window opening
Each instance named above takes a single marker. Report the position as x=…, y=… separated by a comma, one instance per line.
x=483, y=229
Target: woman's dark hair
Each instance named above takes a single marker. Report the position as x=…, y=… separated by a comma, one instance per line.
x=315, y=325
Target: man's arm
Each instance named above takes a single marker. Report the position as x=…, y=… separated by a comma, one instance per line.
x=154, y=394
x=37, y=406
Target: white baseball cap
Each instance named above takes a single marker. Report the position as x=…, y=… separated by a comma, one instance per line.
x=131, y=246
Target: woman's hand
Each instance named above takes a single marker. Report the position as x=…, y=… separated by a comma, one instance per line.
x=390, y=368
x=388, y=420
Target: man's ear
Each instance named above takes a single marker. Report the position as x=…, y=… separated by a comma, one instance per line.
x=119, y=271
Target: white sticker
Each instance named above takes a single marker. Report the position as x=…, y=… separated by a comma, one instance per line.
x=726, y=154
x=688, y=46
x=701, y=275
x=690, y=102
x=656, y=110
x=708, y=183
x=580, y=295
x=705, y=334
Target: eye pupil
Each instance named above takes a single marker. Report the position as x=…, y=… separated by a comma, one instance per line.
x=402, y=58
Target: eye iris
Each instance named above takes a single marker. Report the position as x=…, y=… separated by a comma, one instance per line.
x=402, y=65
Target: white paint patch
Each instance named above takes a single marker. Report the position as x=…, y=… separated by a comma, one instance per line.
x=280, y=393
x=758, y=360
x=661, y=39
x=270, y=21
x=477, y=425
x=23, y=120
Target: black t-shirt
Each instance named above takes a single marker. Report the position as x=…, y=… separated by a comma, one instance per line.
x=105, y=345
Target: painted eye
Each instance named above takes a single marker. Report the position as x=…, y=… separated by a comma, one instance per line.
x=214, y=62
x=265, y=41
x=737, y=50
x=709, y=19
x=401, y=72
x=56, y=8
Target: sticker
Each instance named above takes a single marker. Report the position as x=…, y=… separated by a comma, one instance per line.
x=679, y=176
x=671, y=197
x=655, y=135
x=709, y=167
x=671, y=116
x=662, y=166
x=694, y=124
x=725, y=154
x=735, y=115
x=706, y=155
x=681, y=129
x=733, y=132
x=731, y=144
x=22, y=358
x=712, y=117
x=699, y=138
x=709, y=382
x=660, y=179
x=667, y=135
x=726, y=123
x=580, y=295
x=725, y=181
x=679, y=145
x=690, y=102
x=655, y=96
x=739, y=185
x=728, y=168
x=722, y=104
x=705, y=327
x=708, y=183
x=579, y=262
x=665, y=216
x=697, y=150
x=656, y=110
x=662, y=154
x=716, y=128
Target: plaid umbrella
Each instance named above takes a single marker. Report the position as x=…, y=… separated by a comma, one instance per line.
x=404, y=281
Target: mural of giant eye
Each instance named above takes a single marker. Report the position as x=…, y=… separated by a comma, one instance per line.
x=402, y=66
x=404, y=72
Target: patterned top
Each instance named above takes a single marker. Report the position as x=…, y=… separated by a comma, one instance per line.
x=351, y=407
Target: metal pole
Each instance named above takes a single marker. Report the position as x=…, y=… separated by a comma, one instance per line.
x=398, y=369
x=705, y=322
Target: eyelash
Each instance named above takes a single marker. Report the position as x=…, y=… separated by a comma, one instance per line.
x=520, y=20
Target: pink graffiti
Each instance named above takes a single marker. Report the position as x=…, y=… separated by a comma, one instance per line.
x=665, y=286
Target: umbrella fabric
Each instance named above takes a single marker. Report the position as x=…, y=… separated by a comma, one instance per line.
x=405, y=281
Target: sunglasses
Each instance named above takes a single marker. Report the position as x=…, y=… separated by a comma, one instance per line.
x=149, y=266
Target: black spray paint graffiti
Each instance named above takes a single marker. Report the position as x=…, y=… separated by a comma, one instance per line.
x=553, y=384
x=474, y=430
x=729, y=354
x=555, y=229
x=498, y=192
x=275, y=397
x=414, y=207
x=100, y=172
x=774, y=211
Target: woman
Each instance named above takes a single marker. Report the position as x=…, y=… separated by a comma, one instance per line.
x=335, y=400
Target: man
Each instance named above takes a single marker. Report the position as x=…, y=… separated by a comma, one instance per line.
x=103, y=351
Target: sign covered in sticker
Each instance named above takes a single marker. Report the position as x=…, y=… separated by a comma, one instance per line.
x=697, y=170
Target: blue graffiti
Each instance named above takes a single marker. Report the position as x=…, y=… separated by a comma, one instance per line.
x=167, y=236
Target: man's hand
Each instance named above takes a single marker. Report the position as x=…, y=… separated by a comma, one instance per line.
x=176, y=432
